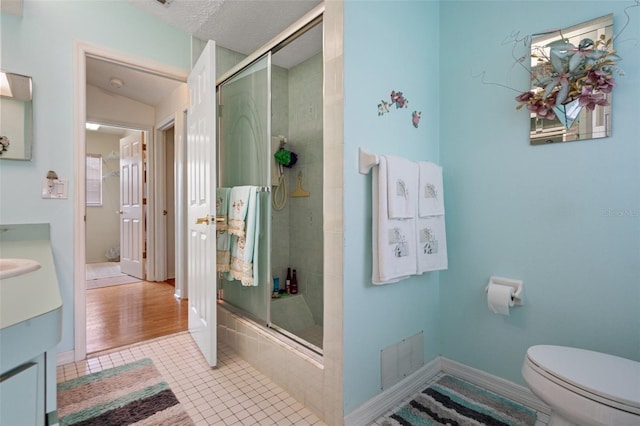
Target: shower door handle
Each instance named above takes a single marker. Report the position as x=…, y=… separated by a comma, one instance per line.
x=204, y=220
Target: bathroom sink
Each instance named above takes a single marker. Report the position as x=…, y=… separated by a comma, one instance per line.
x=14, y=267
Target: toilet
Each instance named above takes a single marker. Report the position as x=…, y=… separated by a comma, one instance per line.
x=584, y=387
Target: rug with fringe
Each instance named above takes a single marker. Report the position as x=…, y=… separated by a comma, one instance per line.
x=130, y=394
x=451, y=401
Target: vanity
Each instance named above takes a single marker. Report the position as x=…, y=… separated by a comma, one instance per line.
x=30, y=325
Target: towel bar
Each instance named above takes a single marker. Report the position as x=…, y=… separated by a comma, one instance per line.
x=366, y=161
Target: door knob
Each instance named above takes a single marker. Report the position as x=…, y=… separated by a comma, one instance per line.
x=119, y=212
x=204, y=220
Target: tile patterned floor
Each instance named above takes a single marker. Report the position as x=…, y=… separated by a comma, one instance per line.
x=233, y=393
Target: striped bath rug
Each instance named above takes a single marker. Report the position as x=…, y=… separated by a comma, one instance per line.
x=451, y=401
x=130, y=394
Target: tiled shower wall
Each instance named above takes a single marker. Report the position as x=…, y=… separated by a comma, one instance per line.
x=305, y=134
x=297, y=234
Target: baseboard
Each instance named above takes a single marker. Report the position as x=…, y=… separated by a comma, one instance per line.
x=513, y=391
x=377, y=406
x=63, y=358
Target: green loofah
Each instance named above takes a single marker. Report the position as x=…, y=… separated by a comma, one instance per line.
x=286, y=158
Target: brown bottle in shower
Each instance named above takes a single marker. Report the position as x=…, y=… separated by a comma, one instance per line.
x=288, y=281
x=294, y=283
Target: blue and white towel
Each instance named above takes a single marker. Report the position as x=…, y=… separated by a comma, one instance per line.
x=430, y=192
x=238, y=207
x=394, y=240
x=402, y=185
x=244, y=248
x=223, y=241
x=432, y=244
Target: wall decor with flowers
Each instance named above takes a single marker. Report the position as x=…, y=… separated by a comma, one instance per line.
x=572, y=78
x=400, y=102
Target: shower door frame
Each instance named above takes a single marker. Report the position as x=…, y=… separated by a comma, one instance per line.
x=264, y=274
x=313, y=18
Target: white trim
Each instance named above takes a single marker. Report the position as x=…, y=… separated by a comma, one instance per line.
x=64, y=358
x=180, y=193
x=158, y=257
x=502, y=387
x=81, y=50
x=79, y=218
x=377, y=406
x=151, y=218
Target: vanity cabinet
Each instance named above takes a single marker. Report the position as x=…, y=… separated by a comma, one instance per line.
x=30, y=329
x=23, y=394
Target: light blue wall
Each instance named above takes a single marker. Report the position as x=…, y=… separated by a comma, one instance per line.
x=388, y=45
x=40, y=44
x=564, y=218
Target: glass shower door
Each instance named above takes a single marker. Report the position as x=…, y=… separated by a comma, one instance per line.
x=244, y=151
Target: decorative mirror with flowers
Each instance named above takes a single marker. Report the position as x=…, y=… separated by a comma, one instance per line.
x=572, y=77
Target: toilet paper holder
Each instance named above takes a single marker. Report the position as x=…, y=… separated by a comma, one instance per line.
x=516, y=284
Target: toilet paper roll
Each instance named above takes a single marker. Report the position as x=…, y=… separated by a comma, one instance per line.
x=500, y=298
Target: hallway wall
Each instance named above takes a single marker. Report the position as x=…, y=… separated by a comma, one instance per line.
x=103, y=226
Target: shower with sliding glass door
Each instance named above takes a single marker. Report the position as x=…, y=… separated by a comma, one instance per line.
x=270, y=136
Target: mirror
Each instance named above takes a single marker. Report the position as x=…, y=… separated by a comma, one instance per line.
x=16, y=116
x=561, y=65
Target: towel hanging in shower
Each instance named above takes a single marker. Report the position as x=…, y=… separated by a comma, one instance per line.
x=223, y=241
x=244, y=247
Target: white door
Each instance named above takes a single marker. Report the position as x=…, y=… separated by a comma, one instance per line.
x=201, y=184
x=132, y=205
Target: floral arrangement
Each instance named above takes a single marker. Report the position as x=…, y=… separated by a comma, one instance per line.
x=4, y=144
x=582, y=74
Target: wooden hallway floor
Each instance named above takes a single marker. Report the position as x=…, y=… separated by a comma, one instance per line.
x=129, y=313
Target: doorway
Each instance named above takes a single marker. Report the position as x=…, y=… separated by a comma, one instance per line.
x=122, y=307
x=98, y=104
x=107, y=263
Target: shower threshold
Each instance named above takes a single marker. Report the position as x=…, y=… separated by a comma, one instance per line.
x=286, y=337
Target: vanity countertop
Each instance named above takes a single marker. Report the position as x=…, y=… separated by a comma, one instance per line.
x=28, y=296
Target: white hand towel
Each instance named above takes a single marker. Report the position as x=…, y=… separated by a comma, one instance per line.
x=402, y=185
x=430, y=192
x=432, y=244
x=244, y=249
x=223, y=254
x=238, y=202
x=394, y=240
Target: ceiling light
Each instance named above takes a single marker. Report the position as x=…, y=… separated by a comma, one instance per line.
x=92, y=126
x=116, y=83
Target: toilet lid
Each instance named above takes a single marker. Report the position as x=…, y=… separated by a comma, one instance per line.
x=608, y=376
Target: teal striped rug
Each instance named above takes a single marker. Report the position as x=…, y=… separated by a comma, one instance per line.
x=451, y=401
x=132, y=393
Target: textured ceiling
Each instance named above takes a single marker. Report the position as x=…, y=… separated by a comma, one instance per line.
x=239, y=25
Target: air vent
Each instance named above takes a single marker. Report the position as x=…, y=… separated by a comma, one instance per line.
x=165, y=3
